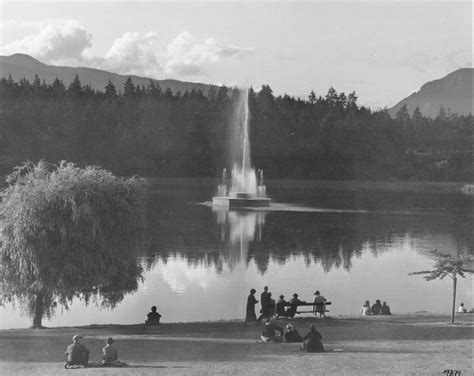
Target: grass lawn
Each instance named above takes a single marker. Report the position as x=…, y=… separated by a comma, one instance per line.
x=419, y=344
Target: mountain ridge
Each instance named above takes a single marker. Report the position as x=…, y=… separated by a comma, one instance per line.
x=24, y=66
x=454, y=92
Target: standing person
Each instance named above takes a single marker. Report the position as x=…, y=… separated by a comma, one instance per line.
x=280, y=310
x=376, y=308
x=365, y=310
x=77, y=355
x=319, y=307
x=312, y=341
x=250, y=315
x=385, y=309
x=270, y=312
x=264, y=303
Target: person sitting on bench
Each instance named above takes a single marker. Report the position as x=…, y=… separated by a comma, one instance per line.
x=153, y=317
x=291, y=312
x=319, y=307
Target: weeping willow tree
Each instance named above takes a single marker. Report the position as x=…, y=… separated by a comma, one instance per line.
x=451, y=267
x=69, y=233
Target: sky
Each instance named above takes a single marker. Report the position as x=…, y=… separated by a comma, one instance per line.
x=383, y=50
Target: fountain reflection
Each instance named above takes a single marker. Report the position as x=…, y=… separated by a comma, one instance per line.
x=239, y=228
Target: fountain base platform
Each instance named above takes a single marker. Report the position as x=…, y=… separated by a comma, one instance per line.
x=241, y=200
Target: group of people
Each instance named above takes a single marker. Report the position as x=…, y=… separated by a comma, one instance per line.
x=77, y=355
x=376, y=309
x=280, y=308
x=311, y=342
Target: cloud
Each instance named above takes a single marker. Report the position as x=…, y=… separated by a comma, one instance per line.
x=67, y=42
x=188, y=56
x=134, y=53
x=54, y=43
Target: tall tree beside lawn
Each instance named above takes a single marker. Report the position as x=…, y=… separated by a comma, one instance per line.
x=69, y=232
x=448, y=266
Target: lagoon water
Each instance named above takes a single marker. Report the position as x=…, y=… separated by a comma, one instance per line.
x=201, y=262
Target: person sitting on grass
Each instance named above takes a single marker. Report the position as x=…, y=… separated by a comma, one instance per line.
x=153, y=317
x=312, y=341
x=385, y=309
x=271, y=332
x=462, y=309
x=365, y=311
x=292, y=334
x=376, y=308
x=110, y=355
x=77, y=355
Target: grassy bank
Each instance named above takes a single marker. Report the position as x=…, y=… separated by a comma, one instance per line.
x=397, y=345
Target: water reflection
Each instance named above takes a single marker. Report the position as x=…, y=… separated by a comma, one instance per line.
x=239, y=228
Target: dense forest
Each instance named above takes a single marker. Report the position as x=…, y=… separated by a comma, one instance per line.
x=155, y=132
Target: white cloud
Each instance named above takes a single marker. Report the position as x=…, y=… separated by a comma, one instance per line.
x=188, y=56
x=54, y=43
x=67, y=42
x=134, y=53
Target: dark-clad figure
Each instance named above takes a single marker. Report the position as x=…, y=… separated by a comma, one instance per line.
x=270, y=312
x=385, y=309
x=250, y=315
x=376, y=307
x=319, y=307
x=291, y=312
x=264, y=301
x=312, y=341
x=77, y=355
x=271, y=332
x=292, y=334
x=153, y=317
x=280, y=309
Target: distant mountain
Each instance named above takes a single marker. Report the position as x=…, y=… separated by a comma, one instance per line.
x=23, y=66
x=454, y=92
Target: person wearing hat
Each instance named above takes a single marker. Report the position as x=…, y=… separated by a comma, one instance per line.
x=319, y=307
x=250, y=315
x=77, y=355
x=271, y=332
x=312, y=341
x=292, y=334
x=110, y=354
x=291, y=312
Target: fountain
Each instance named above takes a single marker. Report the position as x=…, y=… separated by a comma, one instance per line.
x=245, y=188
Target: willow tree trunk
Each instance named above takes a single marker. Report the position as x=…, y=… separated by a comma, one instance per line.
x=454, y=299
x=39, y=310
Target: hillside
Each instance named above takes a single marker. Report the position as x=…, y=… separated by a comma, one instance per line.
x=454, y=92
x=23, y=66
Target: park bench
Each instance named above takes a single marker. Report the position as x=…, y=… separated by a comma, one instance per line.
x=304, y=304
